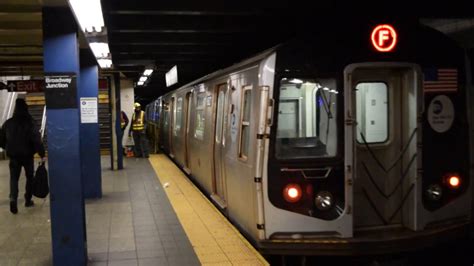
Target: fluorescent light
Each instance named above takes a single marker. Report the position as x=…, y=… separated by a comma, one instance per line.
x=140, y=83
x=326, y=88
x=148, y=72
x=89, y=14
x=100, y=49
x=105, y=63
x=143, y=78
x=296, y=81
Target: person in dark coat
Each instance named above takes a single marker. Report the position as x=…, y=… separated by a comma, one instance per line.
x=123, y=121
x=123, y=125
x=21, y=140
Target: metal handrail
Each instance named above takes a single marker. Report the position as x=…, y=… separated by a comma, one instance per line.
x=7, y=110
x=8, y=107
x=11, y=105
x=43, y=122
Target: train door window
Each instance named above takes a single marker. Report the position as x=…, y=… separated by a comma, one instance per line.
x=372, y=112
x=306, y=125
x=165, y=114
x=245, y=122
x=220, y=113
x=200, y=116
x=178, y=116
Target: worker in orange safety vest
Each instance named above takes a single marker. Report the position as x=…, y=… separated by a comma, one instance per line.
x=138, y=129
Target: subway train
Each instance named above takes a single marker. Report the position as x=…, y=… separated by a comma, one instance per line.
x=351, y=140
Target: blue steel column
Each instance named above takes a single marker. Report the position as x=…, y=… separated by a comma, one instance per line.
x=60, y=53
x=89, y=132
x=118, y=129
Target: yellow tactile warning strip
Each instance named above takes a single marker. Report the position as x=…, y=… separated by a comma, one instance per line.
x=214, y=239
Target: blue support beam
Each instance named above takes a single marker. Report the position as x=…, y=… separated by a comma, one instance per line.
x=61, y=58
x=89, y=128
x=118, y=129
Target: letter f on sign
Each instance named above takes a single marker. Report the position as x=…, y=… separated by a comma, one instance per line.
x=383, y=36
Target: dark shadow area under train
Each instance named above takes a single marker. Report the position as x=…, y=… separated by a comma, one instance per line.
x=449, y=254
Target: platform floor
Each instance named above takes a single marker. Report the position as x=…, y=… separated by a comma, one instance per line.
x=134, y=222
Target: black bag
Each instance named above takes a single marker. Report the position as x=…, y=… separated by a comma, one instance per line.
x=40, y=182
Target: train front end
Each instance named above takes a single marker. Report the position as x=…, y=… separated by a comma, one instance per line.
x=368, y=149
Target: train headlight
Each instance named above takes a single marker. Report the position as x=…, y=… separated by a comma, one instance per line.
x=434, y=192
x=324, y=200
x=292, y=193
x=454, y=181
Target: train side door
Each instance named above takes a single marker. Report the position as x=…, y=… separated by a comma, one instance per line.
x=186, y=131
x=383, y=106
x=219, y=143
x=172, y=117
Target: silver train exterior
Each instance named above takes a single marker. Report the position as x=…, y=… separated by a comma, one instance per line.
x=321, y=147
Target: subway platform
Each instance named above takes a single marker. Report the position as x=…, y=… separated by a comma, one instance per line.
x=150, y=214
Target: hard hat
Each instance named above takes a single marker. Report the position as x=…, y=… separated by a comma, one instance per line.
x=137, y=105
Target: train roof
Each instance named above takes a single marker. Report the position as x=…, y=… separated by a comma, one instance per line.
x=336, y=46
x=247, y=61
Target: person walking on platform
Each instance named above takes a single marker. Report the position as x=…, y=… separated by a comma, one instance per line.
x=123, y=125
x=123, y=121
x=138, y=129
x=21, y=140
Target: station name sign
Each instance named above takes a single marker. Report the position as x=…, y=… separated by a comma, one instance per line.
x=60, y=91
x=58, y=82
x=172, y=76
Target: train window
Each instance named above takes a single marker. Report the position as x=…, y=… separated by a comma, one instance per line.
x=245, y=123
x=200, y=118
x=178, y=116
x=220, y=114
x=372, y=112
x=165, y=114
x=307, y=112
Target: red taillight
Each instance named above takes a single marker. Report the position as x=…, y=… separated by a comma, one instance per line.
x=454, y=181
x=292, y=193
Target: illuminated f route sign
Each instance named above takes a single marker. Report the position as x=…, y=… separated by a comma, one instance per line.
x=384, y=38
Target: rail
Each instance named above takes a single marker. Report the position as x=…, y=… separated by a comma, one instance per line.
x=8, y=108
x=7, y=113
x=43, y=122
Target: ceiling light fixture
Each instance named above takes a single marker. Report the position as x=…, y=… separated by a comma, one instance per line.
x=89, y=14
x=148, y=72
x=100, y=49
x=105, y=63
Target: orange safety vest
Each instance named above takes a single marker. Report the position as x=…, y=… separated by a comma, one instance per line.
x=138, y=124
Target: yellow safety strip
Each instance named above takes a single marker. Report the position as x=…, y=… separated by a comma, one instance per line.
x=214, y=239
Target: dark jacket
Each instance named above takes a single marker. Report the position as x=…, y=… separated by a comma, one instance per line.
x=20, y=138
x=123, y=120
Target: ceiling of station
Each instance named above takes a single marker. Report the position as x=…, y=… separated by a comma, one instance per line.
x=21, y=37
x=200, y=36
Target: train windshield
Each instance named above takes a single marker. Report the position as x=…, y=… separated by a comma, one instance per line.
x=307, y=113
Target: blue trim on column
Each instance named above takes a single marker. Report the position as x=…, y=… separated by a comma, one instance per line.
x=68, y=229
x=90, y=141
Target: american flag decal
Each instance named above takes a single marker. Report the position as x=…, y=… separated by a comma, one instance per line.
x=440, y=80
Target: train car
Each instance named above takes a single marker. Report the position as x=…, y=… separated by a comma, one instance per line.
x=349, y=141
x=153, y=111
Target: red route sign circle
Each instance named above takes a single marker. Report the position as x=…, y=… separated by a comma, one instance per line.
x=384, y=38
